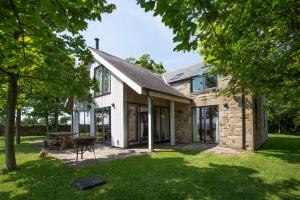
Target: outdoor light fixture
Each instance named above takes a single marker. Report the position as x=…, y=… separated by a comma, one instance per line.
x=113, y=105
x=225, y=104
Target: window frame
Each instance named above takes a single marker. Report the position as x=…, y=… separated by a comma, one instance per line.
x=101, y=112
x=84, y=120
x=205, y=89
x=102, y=80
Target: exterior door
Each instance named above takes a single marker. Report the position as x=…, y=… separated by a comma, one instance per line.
x=137, y=120
x=205, y=124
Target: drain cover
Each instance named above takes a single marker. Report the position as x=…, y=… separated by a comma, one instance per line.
x=88, y=182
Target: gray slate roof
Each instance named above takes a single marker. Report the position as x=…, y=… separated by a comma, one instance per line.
x=184, y=73
x=141, y=76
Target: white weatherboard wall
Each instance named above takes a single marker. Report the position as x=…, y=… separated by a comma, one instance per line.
x=115, y=97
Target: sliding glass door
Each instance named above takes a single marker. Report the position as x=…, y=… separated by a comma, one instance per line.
x=161, y=124
x=143, y=123
x=138, y=124
x=103, y=125
x=205, y=124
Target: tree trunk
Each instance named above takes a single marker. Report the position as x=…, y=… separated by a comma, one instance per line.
x=56, y=121
x=18, y=126
x=47, y=122
x=10, y=157
x=56, y=115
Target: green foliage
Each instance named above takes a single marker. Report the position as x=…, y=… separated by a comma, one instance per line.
x=282, y=113
x=256, y=43
x=39, y=42
x=64, y=119
x=29, y=121
x=145, y=61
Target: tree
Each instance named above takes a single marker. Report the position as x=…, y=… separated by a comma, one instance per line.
x=64, y=119
x=39, y=40
x=256, y=43
x=145, y=61
x=29, y=120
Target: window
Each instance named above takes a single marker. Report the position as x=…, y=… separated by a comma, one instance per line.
x=205, y=124
x=102, y=75
x=176, y=76
x=103, y=124
x=84, y=122
x=211, y=81
x=202, y=83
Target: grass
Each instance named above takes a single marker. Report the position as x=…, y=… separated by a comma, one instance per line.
x=273, y=172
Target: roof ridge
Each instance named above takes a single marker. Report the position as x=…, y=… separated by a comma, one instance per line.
x=145, y=69
x=182, y=68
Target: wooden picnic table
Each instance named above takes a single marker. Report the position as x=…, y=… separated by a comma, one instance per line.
x=61, y=138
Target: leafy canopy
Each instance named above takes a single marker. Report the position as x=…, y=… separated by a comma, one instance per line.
x=39, y=42
x=145, y=61
x=257, y=42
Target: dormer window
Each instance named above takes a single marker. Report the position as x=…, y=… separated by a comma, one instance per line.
x=203, y=83
x=102, y=76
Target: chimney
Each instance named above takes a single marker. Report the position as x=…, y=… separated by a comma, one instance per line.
x=97, y=43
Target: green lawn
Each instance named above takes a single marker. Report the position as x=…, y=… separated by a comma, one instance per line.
x=270, y=173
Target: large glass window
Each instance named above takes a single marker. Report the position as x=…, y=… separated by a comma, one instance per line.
x=103, y=124
x=138, y=124
x=102, y=76
x=164, y=124
x=84, y=122
x=205, y=124
x=132, y=112
x=202, y=83
x=161, y=124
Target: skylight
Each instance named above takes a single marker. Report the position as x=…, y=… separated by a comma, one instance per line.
x=176, y=76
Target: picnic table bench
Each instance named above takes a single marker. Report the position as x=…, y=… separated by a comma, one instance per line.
x=59, y=139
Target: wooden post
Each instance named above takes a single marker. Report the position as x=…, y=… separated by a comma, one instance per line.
x=172, y=123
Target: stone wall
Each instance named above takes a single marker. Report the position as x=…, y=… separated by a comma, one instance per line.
x=260, y=121
x=183, y=123
x=230, y=116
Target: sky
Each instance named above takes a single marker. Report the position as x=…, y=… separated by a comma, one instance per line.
x=130, y=32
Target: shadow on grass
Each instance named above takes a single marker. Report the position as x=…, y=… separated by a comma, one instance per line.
x=143, y=177
x=285, y=147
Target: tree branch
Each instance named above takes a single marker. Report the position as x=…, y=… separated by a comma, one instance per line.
x=214, y=29
x=5, y=71
x=20, y=26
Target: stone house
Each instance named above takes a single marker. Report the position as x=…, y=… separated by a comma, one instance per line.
x=136, y=106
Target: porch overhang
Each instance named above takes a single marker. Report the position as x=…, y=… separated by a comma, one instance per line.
x=168, y=96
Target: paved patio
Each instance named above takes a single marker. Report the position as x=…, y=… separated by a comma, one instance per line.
x=106, y=153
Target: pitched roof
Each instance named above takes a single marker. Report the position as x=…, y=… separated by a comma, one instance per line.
x=141, y=76
x=184, y=73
